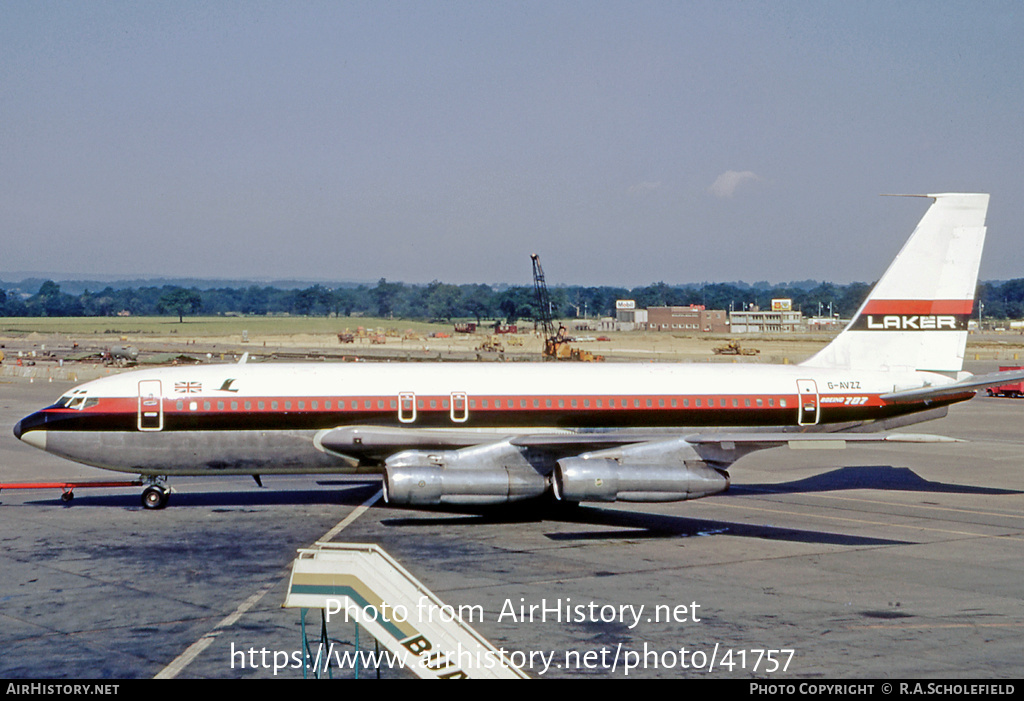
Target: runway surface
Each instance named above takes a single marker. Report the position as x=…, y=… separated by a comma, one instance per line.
x=884, y=561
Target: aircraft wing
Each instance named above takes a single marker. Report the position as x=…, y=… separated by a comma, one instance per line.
x=970, y=384
x=724, y=448
x=380, y=442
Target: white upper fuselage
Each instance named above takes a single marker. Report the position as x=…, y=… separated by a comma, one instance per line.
x=739, y=394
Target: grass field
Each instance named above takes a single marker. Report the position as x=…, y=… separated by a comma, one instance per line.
x=205, y=326
x=272, y=333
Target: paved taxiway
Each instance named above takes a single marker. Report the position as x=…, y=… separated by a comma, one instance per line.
x=900, y=561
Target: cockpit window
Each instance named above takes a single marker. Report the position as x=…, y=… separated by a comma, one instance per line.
x=78, y=400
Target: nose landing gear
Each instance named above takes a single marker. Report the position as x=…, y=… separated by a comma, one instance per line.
x=155, y=496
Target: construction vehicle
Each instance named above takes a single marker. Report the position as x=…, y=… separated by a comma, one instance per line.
x=491, y=345
x=556, y=344
x=734, y=348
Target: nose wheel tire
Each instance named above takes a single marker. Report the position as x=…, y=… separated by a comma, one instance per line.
x=155, y=497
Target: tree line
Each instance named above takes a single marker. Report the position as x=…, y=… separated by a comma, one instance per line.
x=442, y=301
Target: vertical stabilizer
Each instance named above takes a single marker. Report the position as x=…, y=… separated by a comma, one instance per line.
x=916, y=316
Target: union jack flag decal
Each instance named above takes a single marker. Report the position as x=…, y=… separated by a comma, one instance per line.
x=188, y=387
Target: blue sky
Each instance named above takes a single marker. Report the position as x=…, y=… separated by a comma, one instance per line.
x=626, y=142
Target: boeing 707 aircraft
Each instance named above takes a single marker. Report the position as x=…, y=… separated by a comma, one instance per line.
x=483, y=433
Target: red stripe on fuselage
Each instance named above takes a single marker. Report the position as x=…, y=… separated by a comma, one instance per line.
x=518, y=404
x=919, y=306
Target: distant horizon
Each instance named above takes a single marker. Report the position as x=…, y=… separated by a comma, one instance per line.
x=18, y=277
x=284, y=284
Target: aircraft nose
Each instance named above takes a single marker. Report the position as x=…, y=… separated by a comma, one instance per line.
x=29, y=430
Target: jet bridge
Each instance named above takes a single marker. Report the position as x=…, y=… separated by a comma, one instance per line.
x=359, y=582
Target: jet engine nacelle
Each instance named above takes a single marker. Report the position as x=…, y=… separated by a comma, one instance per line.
x=488, y=474
x=650, y=472
x=605, y=479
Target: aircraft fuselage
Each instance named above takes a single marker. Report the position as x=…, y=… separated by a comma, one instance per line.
x=266, y=418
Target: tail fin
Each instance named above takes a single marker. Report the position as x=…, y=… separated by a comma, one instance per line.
x=916, y=316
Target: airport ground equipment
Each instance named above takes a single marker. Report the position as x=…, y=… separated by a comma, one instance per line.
x=68, y=487
x=1012, y=389
x=361, y=583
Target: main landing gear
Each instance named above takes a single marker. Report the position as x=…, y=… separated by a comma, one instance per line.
x=155, y=495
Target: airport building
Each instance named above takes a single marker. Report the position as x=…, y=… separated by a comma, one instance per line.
x=689, y=318
x=781, y=319
x=627, y=317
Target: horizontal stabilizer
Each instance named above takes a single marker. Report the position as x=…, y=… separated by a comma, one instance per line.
x=970, y=384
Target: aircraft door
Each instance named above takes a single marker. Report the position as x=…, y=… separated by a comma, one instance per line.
x=460, y=407
x=151, y=406
x=406, y=407
x=809, y=410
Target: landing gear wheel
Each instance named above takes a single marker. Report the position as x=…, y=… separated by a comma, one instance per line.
x=67, y=496
x=154, y=497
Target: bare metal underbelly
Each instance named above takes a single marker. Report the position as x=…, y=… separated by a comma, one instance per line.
x=199, y=452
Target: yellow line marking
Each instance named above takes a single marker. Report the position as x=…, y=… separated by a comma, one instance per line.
x=356, y=513
x=908, y=626
x=935, y=507
x=195, y=649
x=887, y=524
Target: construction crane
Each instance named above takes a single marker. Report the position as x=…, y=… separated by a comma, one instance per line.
x=556, y=344
x=540, y=287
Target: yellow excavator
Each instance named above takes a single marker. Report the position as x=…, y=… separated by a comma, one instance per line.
x=556, y=345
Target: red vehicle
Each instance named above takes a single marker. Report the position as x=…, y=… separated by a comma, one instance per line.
x=1014, y=389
